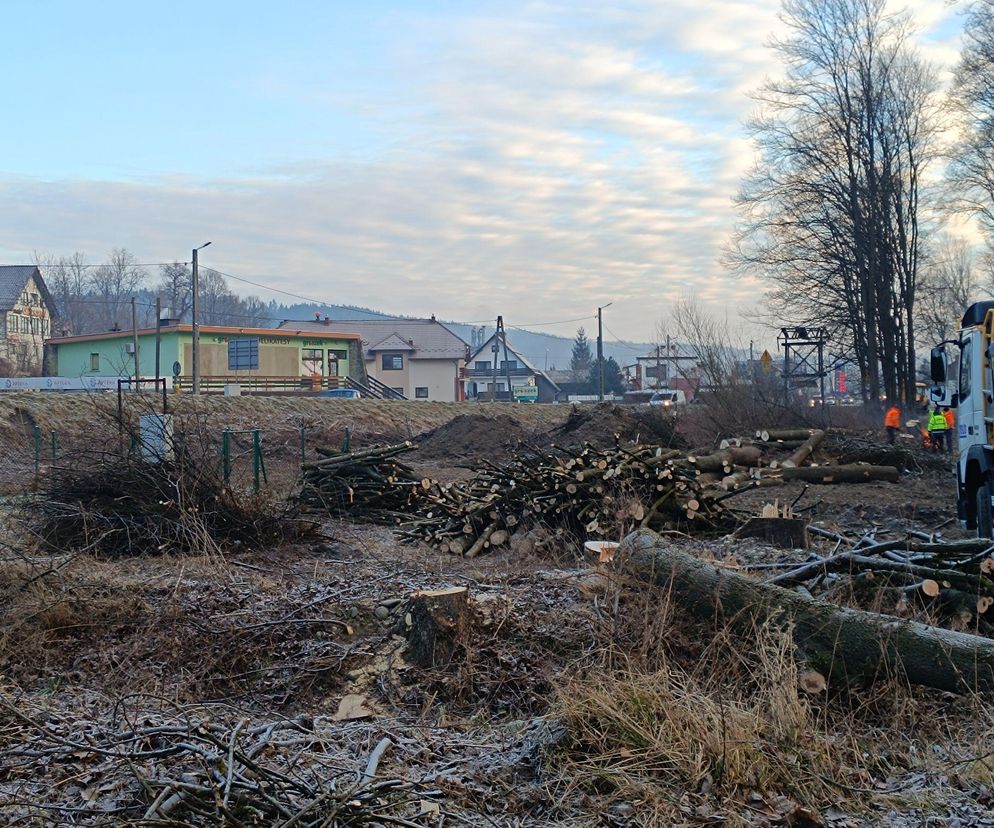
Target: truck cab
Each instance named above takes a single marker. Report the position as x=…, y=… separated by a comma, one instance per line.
x=971, y=394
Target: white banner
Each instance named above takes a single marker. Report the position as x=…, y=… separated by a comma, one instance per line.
x=71, y=384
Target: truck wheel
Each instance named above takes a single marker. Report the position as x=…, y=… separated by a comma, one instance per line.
x=985, y=518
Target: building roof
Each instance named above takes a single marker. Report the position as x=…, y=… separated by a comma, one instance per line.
x=204, y=330
x=392, y=343
x=423, y=338
x=521, y=358
x=13, y=278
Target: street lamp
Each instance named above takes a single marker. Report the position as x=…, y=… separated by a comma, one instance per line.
x=196, y=319
x=600, y=352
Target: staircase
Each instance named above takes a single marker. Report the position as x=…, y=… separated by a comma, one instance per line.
x=374, y=389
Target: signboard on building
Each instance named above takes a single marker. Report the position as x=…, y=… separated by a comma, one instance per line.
x=526, y=393
x=63, y=383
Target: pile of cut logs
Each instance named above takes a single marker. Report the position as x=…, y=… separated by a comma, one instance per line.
x=587, y=491
x=370, y=484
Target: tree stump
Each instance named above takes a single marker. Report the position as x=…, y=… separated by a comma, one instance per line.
x=785, y=533
x=438, y=624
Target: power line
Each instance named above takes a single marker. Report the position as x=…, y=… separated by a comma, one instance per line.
x=623, y=343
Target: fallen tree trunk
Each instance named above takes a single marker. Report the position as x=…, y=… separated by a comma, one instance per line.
x=778, y=434
x=805, y=450
x=841, y=643
x=842, y=474
x=726, y=459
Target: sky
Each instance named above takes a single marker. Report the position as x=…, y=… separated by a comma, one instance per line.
x=467, y=159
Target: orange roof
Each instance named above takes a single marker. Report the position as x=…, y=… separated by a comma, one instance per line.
x=204, y=329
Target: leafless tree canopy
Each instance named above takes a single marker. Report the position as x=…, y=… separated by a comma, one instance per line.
x=831, y=214
x=971, y=169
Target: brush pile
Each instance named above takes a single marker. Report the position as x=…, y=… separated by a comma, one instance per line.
x=581, y=492
x=118, y=507
x=371, y=484
x=952, y=579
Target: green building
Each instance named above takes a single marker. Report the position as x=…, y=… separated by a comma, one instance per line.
x=255, y=358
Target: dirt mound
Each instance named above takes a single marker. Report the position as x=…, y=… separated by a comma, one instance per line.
x=605, y=423
x=471, y=436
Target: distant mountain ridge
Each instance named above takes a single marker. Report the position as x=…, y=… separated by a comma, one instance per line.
x=543, y=350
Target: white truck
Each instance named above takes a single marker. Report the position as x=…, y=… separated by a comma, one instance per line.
x=973, y=401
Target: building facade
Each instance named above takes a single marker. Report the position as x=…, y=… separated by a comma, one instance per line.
x=257, y=358
x=528, y=383
x=27, y=313
x=420, y=359
x=670, y=368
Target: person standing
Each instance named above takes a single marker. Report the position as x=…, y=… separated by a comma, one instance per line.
x=892, y=423
x=937, y=429
x=950, y=428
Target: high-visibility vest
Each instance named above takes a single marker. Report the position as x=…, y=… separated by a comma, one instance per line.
x=936, y=422
x=893, y=417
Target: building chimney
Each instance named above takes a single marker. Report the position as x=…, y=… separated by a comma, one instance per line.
x=433, y=317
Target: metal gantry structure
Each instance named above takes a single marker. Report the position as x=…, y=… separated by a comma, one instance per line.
x=803, y=358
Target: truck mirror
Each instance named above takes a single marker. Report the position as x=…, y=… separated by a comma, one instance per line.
x=937, y=366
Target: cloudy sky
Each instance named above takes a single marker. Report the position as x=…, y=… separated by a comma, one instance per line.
x=533, y=159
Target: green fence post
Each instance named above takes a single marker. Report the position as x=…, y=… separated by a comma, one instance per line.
x=256, y=458
x=55, y=444
x=226, y=456
x=37, y=449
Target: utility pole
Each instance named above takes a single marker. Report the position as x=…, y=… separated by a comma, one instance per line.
x=600, y=351
x=134, y=341
x=195, y=350
x=659, y=364
x=670, y=364
x=158, y=337
x=507, y=362
x=493, y=354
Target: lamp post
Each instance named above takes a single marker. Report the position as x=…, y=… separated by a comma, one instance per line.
x=196, y=319
x=600, y=352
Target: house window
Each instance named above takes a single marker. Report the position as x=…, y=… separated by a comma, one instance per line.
x=243, y=354
x=398, y=390
x=482, y=365
x=421, y=392
x=393, y=362
x=46, y=328
x=337, y=354
x=94, y=362
x=35, y=300
x=314, y=355
x=510, y=364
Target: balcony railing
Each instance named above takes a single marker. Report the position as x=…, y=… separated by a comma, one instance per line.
x=482, y=373
x=259, y=384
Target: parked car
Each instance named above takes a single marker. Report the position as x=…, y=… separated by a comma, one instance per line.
x=343, y=393
x=668, y=399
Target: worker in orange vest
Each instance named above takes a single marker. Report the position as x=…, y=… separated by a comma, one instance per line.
x=950, y=427
x=892, y=422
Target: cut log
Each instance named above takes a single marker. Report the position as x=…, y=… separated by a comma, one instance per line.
x=841, y=643
x=805, y=450
x=777, y=434
x=438, y=624
x=724, y=460
x=842, y=474
x=786, y=533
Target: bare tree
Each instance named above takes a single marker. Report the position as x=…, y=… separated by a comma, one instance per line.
x=831, y=214
x=950, y=281
x=970, y=173
x=175, y=289
x=112, y=285
x=67, y=282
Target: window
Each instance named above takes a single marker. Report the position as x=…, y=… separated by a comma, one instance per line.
x=393, y=362
x=398, y=390
x=337, y=353
x=243, y=354
x=511, y=364
x=421, y=392
x=965, y=368
x=46, y=328
x=94, y=362
x=482, y=365
x=35, y=300
x=313, y=355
